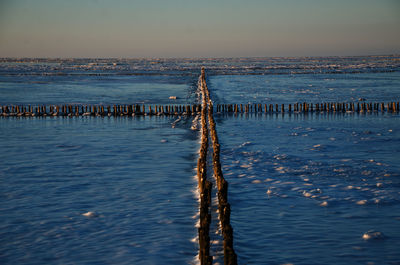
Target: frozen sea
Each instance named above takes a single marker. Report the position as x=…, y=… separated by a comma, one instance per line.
x=303, y=188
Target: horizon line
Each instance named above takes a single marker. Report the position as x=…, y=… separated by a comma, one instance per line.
x=199, y=58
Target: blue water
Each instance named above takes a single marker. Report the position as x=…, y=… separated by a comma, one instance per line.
x=303, y=189
x=95, y=90
x=134, y=174
x=312, y=88
x=282, y=169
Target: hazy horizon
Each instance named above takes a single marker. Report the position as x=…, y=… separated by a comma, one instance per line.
x=200, y=58
x=192, y=29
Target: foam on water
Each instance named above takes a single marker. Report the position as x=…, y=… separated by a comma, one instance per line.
x=304, y=183
x=74, y=188
x=289, y=175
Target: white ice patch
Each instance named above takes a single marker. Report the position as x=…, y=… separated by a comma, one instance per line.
x=324, y=204
x=195, y=123
x=89, y=214
x=176, y=121
x=361, y=202
x=244, y=144
x=372, y=234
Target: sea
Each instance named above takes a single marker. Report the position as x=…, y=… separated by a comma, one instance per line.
x=304, y=188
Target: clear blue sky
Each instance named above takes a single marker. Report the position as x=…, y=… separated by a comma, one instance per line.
x=202, y=28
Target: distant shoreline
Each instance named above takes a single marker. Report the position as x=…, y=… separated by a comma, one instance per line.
x=7, y=59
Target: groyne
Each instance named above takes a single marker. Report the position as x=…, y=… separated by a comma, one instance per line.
x=205, y=188
x=71, y=110
x=305, y=107
x=208, y=130
x=222, y=185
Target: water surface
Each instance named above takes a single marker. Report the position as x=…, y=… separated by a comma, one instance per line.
x=303, y=188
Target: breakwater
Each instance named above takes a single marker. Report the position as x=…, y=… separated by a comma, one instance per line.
x=97, y=110
x=205, y=189
x=222, y=185
x=208, y=130
x=310, y=107
x=189, y=110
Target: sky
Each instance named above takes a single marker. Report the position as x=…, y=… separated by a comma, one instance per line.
x=206, y=28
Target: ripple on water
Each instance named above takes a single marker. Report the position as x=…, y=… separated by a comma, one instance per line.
x=314, y=189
